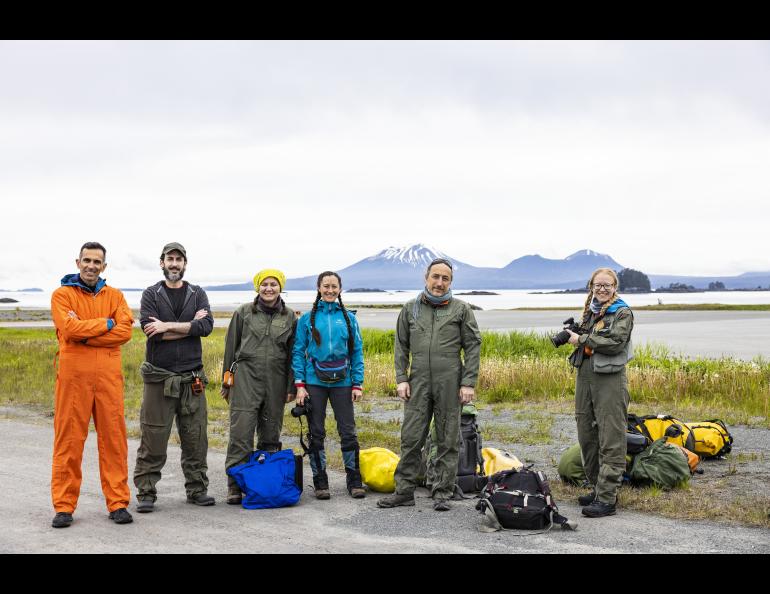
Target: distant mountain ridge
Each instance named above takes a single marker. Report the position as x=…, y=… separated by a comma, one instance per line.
x=403, y=268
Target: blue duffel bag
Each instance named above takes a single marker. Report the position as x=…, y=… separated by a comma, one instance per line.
x=269, y=479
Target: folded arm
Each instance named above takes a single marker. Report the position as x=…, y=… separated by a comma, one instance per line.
x=121, y=331
x=70, y=326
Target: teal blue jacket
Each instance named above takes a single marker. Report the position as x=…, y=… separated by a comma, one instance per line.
x=330, y=323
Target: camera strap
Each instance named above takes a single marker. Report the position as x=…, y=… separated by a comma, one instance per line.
x=305, y=447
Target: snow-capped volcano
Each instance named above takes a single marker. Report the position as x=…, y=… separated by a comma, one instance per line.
x=590, y=254
x=416, y=256
x=404, y=268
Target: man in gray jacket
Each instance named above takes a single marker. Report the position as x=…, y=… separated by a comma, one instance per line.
x=174, y=316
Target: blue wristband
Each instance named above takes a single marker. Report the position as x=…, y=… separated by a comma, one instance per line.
x=110, y=324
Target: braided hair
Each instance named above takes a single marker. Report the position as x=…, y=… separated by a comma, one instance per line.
x=590, y=297
x=313, y=330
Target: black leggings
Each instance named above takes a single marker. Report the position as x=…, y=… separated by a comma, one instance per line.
x=342, y=405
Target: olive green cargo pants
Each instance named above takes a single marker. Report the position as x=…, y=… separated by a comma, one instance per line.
x=157, y=418
x=253, y=408
x=601, y=411
x=431, y=399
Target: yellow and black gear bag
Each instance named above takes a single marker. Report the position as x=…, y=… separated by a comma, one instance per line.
x=712, y=439
x=656, y=426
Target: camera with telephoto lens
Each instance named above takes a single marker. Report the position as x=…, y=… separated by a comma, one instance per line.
x=301, y=410
x=563, y=336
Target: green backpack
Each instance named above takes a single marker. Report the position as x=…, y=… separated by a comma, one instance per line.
x=661, y=464
x=571, y=467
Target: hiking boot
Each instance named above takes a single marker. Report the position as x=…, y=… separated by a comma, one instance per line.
x=121, y=516
x=584, y=500
x=357, y=492
x=396, y=501
x=442, y=505
x=353, y=474
x=145, y=506
x=321, y=485
x=234, y=496
x=598, y=509
x=61, y=520
x=201, y=499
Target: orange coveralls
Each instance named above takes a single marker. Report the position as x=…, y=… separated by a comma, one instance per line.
x=89, y=382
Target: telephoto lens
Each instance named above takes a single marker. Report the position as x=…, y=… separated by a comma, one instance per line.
x=563, y=337
x=558, y=340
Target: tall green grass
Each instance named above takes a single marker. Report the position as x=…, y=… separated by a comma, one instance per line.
x=515, y=367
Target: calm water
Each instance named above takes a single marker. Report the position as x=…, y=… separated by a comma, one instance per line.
x=503, y=300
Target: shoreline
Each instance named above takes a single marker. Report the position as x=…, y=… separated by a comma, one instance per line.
x=11, y=313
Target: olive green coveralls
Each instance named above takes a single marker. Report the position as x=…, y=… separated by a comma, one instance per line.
x=434, y=339
x=261, y=346
x=601, y=404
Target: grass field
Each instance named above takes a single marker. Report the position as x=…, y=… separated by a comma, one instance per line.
x=516, y=368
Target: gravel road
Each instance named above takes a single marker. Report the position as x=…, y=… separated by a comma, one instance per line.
x=341, y=525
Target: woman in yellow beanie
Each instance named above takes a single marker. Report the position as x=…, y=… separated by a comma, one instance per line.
x=258, y=352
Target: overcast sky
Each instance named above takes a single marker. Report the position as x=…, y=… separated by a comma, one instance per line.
x=313, y=155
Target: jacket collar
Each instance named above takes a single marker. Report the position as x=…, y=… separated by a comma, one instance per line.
x=160, y=288
x=616, y=306
x=329, y=307
x=73, y=280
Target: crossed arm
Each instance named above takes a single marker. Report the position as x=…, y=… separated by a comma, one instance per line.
x=172, y=330
x=153, y=327
x=97, y=332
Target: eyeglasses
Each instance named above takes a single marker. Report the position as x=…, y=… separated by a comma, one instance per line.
x=604, y=286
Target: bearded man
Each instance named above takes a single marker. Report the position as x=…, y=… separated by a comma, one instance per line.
x=174, y=317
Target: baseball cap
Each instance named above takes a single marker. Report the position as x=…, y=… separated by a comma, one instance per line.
x=174, y=246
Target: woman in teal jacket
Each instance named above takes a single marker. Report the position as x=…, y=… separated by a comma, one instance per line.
x=328, y=365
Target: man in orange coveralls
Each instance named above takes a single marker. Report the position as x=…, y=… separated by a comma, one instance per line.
x=92, y=320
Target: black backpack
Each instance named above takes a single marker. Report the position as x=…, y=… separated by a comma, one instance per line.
x=520, y=500
x=470, y=467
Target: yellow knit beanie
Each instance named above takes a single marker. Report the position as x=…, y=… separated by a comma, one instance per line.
x=267, y=273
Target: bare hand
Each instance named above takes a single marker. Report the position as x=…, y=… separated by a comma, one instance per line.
x=357, y=395
x=404, y=391
x=290, y=397
x=200, y=314
x=225, y=392
x=73, y=315
x=573, y=338
x=155, y=327
x=301, y=395
x=466, y=395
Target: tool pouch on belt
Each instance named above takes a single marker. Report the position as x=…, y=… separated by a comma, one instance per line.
x=176, y=385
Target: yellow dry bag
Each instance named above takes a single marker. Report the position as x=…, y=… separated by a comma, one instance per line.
x=496, y=461
x=378, y=465
x=656, y=426
x=712, y=439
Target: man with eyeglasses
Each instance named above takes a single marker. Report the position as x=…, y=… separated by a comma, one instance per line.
x=434, y=329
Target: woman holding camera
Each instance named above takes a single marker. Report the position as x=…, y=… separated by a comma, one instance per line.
x=258, y=379
x=329, y=366
x=603, y=347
